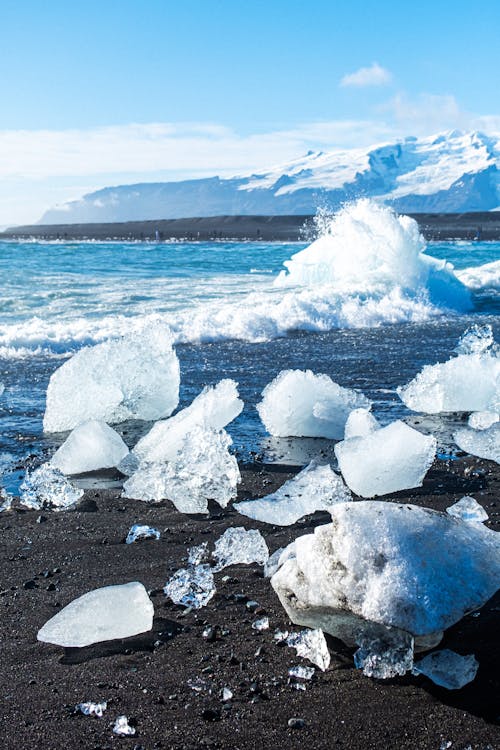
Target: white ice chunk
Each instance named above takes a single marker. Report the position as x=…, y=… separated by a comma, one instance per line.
x=139, y=531
x=2, y=388
x=192, y=587
x=300, y=403
x=239, y=546
x=468, y=509
x=272, y=563
x=122, y=727
x=360, y=423
x=448, y=669
x=392, y=458
x=391, y=565
x=482, y=443
x=476, y=340
x=385, y=656
x=5, y=500
x=46, y=487
x=301, y=673
x=135, y=377
x=227, y=694
x=90, y=446
x=315, y=488
x=101, y=615
x=311, y=644
x=92, y=709
x=197, y=554
x=481, y=420
x=261, y=624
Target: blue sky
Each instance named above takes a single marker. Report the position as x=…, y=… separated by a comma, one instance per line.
x=114, y=91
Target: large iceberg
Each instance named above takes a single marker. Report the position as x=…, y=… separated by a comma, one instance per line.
x=301, y=404
x=388, y=459
x=382, y=565
x=135, y=377
x=90, y=446
x=482, y=443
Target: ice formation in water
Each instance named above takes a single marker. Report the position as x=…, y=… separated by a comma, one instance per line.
x=302, y=404
x=139, y=531
x=482, y=443
x=315, y=488
x=90, y=446
x=311, y=644
x=46, y=487
x=135, y=377
x=101, y=615
x=92, y=709
x=360, y=423
x=468, y=382
x=388, y=459
x=239, y=546
x=193, y=586
x=468, y=509
x=388, y=565
x=481, y=420
x=122, y=727
x=386, y=655
x=448, y=669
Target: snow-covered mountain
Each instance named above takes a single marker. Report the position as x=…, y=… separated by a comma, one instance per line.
x=451, y=172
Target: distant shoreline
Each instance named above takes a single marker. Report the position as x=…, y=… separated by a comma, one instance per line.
x=465, y=226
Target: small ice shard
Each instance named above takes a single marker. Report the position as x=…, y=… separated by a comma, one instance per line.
x=387, y=655
x=311, y=644
x=135, y=377
x=386, y=565
x=468, y=509
x=301, y=673
x=302, y=404
x=46, y=487
x=192, y=587
x=90, y=446
x=315, y=488
x=272, y=563
x=92, y=709
x=261, y=624
x=139, y=531
x=5, y=500
x=2, y=389
x=197, y=554
x=467, y=382
x=239, y=546
x=227, y=694
x=280, y=636
x=482, y=443
x=122, y=727
x=448, y=669
x=360, y=423
x=392, y=458
x=101, y=615
x=481, y=420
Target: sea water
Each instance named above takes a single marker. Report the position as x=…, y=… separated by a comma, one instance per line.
x=368, y=303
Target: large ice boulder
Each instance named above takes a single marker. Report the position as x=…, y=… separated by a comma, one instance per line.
x=299, y=403
x=380, y=565
x=135, y=377
x=482, y=443
x=388, y=459
x=90, y=446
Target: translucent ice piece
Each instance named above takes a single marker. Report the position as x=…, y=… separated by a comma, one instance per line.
x=468, y=509
x=139, y=531
x=386, y=656
x=360, y=423
x=46, y=487
x=101, y=615
x=482, y=443
x=476, y=340
x=311, y=644
x=196, y=555
x=261, y=624
x=300, y=403
x=192, y=587
x=448, y=669
x=2, y=388
x=92, y=709
x=315, y=488
x=122, y=727
x=90, y=446
x=392, y=458
x=227, y=694
x=239, y=546
x=481, y=420
x=5, y=500
x=272, y=563
x=135, y=377
x=302, y=673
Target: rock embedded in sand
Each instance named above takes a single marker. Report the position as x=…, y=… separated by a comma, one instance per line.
x=483, y=443
x=90, y=446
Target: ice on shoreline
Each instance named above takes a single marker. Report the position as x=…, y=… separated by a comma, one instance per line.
x=448, y=669
x=238, y=546
x=90, y=446
x=484, y=443
x=468, y=509
x=46, y=487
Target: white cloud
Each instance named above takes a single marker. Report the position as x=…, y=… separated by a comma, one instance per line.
x=374, y=75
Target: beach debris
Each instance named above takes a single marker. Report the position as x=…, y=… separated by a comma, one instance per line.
x=483, y=443
x=468, y=509
x=469, y=381
x=386, y=655
x=310, y=644
x=104, y=614
x=261, y=624
x=481, y=420
x=5, y=500
x=239, y=546
x=134, y=377
x=360, y=423
x=314, y=488
x=302, y=404
x=388, y=459
x=139, y=531
x=46, y=487
x=193, y=586
x=272, y=563
x=381, y=565
x=448, y=669
x=90, y=446
x=122, y=727
x=92, y=709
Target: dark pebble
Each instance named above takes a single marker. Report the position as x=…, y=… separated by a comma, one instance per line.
x=211, y=714
x=29, y=585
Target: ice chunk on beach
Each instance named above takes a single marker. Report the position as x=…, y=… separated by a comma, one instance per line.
x=272, y=563
x=101, y=615
x=239, y=546
x=139, y=531
x=193, y=586
x=135, y=377
x=315, y=488
x=197, y=554
x=92, y=709
x=448, y=669
x=311, y=644
x=302, y=404
x=90, y=446
x=389, y=459
x=388, y=655
x=468, y=509
x=122, y=727
x=46, y=487
x=301, y=673
x=381, y=565
x=481, y=420
x=482, y=443
x=5, y=500
x=360, y=423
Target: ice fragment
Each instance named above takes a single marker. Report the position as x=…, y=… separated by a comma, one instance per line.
x=360, y=423
x=122, y=727
x=239, y=546
x=197, y=554
x=227, y=694
x=481, y=420
x=272, y=563
x=302, y=673
x=139, y=531
x=92, y=709
x=311, y=644
x=46, y=487
x=468, y=509
x=448, y=669
x=261, y=624
x=388, y=655
x=482, y=443
x=192, y=587
x=90, y=446
x=5, y=500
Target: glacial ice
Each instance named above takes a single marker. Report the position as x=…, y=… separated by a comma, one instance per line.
x=261, y=624
x=389, y=459
x=197, y=554
x=239, y=546
x=301, y=404
x=139, y=531
x=135, y=377
x=5, y=500
x=301, y=673
x=101, y=615
x=360, y=423
x=468, y=509
x=272, y=563
x=122, y=727
x=315, y=488
x=381, y=565
x=2, y=389
x=92, y=709
x=481, y=420
x=448, y=669
x=311, y=644
x=193, y=586
x=386, y=655
x=482, y=443
x=46, y=487
x=90, y=446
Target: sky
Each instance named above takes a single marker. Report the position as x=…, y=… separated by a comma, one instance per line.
x=123, y=91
